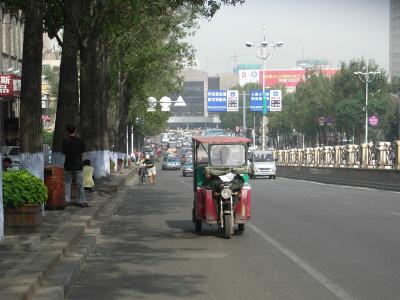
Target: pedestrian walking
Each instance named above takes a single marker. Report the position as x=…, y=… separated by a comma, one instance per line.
x=151, y=169
x=73, y=149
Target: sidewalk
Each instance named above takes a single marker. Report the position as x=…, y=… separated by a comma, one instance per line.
x=27, y=260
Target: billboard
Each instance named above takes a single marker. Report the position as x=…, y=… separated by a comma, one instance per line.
x=249, y=76
x=289, y=78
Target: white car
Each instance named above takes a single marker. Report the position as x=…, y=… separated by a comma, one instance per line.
x=262, y=163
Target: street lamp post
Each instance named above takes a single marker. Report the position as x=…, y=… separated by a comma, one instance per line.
x=366, y=77
x=265, y=50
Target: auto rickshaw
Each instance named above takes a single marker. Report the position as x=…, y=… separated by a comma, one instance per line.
x=222, y=194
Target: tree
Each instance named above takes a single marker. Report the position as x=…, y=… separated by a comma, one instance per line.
x=31, y=156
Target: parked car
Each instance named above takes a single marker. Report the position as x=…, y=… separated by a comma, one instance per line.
x=262, y=163
x=187, y=169
x=171, y=163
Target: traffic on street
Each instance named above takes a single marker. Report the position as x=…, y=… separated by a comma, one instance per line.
x=305, y=241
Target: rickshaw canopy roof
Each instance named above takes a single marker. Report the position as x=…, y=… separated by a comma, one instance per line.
x=221, y=139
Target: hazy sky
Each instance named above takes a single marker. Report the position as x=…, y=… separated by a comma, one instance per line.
x=333, y=30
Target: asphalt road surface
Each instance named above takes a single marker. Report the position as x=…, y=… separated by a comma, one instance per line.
x=305, y=241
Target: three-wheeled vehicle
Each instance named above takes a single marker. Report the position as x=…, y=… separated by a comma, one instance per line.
x=222, y=194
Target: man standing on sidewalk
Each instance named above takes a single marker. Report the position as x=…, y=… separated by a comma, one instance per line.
x=73, y=148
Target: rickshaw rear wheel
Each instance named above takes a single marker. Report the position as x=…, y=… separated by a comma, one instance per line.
x=228, y=226
x=241, y=227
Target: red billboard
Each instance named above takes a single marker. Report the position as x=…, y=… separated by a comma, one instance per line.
x=288, y=77
x=10, y=85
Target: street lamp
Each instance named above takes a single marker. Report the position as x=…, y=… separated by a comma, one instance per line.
x=366, y=77
x=264, y=51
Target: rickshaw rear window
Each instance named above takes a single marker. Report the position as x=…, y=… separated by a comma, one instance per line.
x=202, y=155
x=227, y=155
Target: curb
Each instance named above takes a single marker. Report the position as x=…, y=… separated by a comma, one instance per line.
x=66, y=250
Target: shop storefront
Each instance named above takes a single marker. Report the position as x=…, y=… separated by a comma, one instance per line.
x=10, y=89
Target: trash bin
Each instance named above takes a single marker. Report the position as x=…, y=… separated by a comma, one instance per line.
x=54, y=180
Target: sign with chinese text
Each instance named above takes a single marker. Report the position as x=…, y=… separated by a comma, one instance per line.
x=216, y=101
x=6, y=85
x=275, y=97
x=232, y=100
x=256, y=101
x=10, y=85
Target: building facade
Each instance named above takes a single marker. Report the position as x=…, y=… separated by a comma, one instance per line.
x=11, y=43
x=196, y=84
x=394, y=40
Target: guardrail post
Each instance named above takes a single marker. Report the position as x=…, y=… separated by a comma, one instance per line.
x=350, y=156
x=397, y=161
x=338, y=155
x=383, y=156
x=364, y=155
x=301, y=157
x=316, y=157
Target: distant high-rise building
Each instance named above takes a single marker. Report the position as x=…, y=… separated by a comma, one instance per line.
x=394, y=41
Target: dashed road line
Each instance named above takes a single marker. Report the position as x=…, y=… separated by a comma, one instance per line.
x=317, y=275
x=348, y=203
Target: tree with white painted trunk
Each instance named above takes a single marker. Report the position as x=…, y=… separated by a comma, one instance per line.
x=31, y=154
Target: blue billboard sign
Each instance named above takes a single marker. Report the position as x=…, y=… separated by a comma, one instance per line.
x=256, y=101
x=216, y=101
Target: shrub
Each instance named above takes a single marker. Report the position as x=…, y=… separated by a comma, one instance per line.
x=21, y=187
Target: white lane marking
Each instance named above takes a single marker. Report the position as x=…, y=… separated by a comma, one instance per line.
x=349, y=203
x=317, y=275
x=342, y=186
x=187, y=184
x=315, y=196
x=394, y=213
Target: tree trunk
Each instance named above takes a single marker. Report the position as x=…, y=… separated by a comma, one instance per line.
x=93, y=104
x=31, y=156
x=68, y=94
x=122, y=115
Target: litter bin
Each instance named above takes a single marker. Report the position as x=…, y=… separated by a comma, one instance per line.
x=54, y=180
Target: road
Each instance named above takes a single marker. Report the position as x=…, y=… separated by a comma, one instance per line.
x=305, y=241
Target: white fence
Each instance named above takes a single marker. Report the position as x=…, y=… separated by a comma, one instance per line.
x=383, y=155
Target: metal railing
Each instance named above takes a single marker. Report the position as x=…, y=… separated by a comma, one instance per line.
x=382, y=155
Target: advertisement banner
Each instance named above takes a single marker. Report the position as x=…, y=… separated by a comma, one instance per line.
x=288, y=78
x=249, y=76
x=275, y=97
x=232, y=100
x=256, y=100
x=216, y=101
